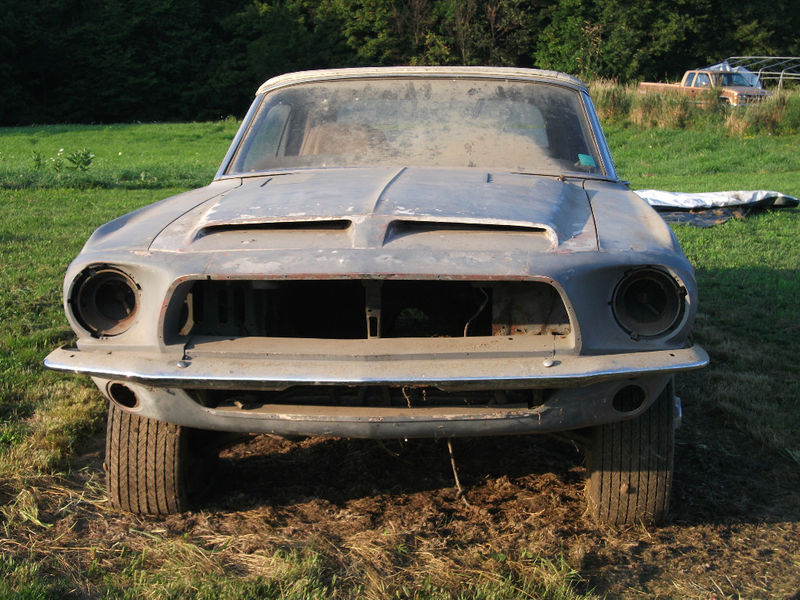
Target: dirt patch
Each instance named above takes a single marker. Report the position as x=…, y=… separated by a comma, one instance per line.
x=389, y=512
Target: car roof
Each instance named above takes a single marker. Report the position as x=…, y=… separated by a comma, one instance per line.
x=457, y=72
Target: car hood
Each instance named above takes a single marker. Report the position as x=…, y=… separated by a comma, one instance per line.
x=744, y=89
x=388, y=207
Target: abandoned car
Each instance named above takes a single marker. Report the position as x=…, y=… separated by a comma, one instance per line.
x=397, y=252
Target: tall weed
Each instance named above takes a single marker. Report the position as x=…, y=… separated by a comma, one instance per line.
x=779, y=114
x=624, y=105
x=612, y=100
x=666, y=111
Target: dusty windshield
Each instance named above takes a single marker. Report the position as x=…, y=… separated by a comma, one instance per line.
x=520, y=126
x=734, y=79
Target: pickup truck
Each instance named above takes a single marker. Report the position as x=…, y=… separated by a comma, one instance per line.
x=733, y=88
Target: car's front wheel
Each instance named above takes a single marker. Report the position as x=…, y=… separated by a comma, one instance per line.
x=630, y=466
x=147, y=464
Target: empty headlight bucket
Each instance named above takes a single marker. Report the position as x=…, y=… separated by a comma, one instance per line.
x=648, y=303
x=104, y=300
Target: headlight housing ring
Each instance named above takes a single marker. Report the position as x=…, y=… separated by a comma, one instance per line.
x=104, y=300
x=648, y=303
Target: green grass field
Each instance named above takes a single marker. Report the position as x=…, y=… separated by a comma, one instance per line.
x=747, y=274
x=126, y=156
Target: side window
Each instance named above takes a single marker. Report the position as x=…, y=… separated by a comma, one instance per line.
x=269, y=139
x=689, y=79
x=702, y=80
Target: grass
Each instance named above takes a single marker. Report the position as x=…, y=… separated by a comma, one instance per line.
x=24, y=580
x=39, y=238
x=295, y=575
x=684, y=160
x=747, y=273
x=748, y=277
x=133, y=156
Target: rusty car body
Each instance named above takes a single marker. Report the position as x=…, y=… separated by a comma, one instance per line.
x=729, y=87
x=393, y=253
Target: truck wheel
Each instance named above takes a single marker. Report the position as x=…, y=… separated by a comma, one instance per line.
x=147, y=464
x=630, y=466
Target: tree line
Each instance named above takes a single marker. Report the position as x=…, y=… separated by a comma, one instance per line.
x=149, y=60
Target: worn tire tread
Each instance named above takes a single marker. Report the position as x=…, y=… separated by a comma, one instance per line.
x=145, y=464
x=630, y=466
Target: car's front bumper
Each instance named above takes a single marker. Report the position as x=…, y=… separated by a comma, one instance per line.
x=449, y=364
x=582, y=387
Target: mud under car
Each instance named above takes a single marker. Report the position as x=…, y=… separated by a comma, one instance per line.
x=398, y=252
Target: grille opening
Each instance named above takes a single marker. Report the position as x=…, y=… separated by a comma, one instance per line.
x=358, y=309
x=629, y=398
x=122, y=395
x=367, y=396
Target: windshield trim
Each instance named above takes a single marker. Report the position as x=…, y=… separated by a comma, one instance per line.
x=391, y=73
x=295, y=170
x=451, y=72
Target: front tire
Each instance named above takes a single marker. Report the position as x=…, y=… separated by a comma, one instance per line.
x=147, y=464
x=630, y=466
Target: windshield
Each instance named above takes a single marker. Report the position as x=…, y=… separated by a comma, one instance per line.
x=521, y=126
x=734, y=79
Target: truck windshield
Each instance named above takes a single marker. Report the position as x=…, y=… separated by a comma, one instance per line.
x=521, y=126
x=735, y=79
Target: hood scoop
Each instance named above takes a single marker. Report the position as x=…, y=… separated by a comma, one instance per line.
x=465, y=234
x=402, y=227
x=310, y=226
x=460, y=210
x=285, y=234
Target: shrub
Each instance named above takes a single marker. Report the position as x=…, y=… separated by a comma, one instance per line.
x=646, y=108
x=81, y=160
x=612, y=100
x=776, y=115
x=677, y=111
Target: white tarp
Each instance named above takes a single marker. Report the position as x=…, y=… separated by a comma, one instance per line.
x=725, y=66
x=706, y=200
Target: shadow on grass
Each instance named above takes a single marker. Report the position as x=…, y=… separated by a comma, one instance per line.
x=279, y=472
x=721, y=474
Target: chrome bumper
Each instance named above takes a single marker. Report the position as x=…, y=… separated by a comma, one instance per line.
x=582, y=387
x=448, y=364
x=564, y=409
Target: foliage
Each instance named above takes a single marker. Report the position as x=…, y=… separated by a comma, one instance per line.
x=115, y=61
x=654, y=39
x=81, y=160
x=569, y=42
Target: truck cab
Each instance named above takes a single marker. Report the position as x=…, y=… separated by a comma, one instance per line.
x=734, y=88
